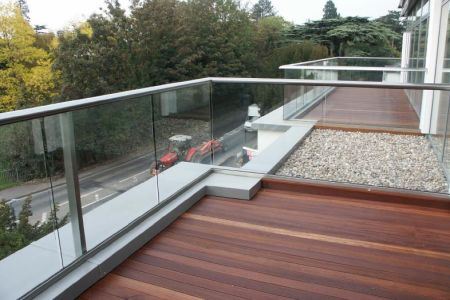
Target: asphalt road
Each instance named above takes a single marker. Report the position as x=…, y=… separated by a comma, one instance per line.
x=96, y=187
x=107, y=182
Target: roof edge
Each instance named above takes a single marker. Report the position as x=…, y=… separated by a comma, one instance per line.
x=406, y=6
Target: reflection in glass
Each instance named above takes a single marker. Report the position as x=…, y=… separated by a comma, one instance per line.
x=182, y=122
x=114, y=152
x=236, y=111
x=27, y=210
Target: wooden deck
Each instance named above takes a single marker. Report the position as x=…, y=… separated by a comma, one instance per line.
x=366, y=107
x=294, y=241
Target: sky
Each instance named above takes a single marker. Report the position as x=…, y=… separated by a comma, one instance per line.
x=300, y=11
x=58, y=14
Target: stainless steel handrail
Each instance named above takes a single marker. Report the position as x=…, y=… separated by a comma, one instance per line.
x=305, y=63
x=334, y=83
x=344, y=68
x=68, y=106
x=72, y=105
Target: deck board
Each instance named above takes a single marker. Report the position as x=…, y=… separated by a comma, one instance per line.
x=288, y=244
x=366, y=107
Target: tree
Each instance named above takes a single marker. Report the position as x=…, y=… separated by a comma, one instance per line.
x=348, y=36
x=10, y=239
x=216, y=40
x=157, y=26
x=330, y=11
x=263, y=9
x=26, y=75
x=273, y=50
x=16, y=234
x=369, y=39
x=393, y=21
x=94, y=57
x=24, y=9
x=290, y=53
x=164, y=41
x=24, y=227
x=7, y=216
x=269, y=35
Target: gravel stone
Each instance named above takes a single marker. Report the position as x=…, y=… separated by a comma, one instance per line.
x=376, y=159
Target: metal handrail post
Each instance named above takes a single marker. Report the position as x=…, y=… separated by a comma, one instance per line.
x=73, y=184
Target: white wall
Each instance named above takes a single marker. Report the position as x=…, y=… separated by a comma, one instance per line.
x=266, y=138
x=406, y=49
x=440, y=103
x=431, y=64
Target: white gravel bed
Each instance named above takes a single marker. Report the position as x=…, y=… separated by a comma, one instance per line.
x=377, y=159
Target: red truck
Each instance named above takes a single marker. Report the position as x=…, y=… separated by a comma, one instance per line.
x=180, y=149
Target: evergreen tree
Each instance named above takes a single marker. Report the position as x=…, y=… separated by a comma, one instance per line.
x=24, y=227
x=10, y=239
x=7, y=217
x=52, y=223
x=351, y=36
x=263, y=9
x=16, y=234
x=330, y=11
x=393, y=21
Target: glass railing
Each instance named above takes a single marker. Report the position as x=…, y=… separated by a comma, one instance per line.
x=368, y=69
x=388, y=75
x=74, y=168
x=364, y=133
x=305, y=103
x=372, y=136
x=377, y=69
x=75, y=175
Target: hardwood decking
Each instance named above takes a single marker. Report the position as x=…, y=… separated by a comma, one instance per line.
x=366, y=107
x=298, y=241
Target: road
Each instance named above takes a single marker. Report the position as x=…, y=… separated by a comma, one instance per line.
x=96, y=187
x=107, y=181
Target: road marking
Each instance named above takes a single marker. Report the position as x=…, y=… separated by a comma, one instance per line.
x=89, y=175
x=132, y=177
x=115, y=193
x=89, y=204
x=97, y=199
x=90, y=193
x=44, y=217
x=82, y=196
x=13, y=201
x=25, y=197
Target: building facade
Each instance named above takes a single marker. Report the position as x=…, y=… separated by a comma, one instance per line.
x=426, y=46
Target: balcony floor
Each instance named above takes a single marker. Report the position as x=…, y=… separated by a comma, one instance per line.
x=290, y=244
x=362, y=107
